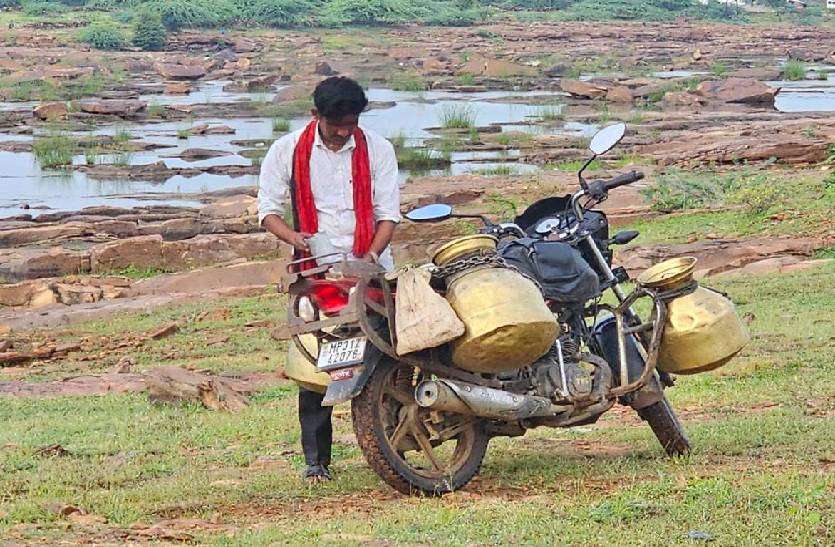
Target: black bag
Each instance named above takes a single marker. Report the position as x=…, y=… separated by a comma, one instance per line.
x=558, y=267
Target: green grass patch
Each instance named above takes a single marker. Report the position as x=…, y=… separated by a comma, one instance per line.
x=749, y=203
x=794, y=70
x=54, y=150
x=458, y=116
x=760, y=428
x=408, y=81
x=281, y=125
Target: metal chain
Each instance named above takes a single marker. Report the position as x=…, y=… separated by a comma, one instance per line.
x=491, y=259
x=487, y=258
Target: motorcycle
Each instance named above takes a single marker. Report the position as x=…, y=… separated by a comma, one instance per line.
x=542, y=348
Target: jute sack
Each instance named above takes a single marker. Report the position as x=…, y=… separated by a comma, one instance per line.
x=423, y=318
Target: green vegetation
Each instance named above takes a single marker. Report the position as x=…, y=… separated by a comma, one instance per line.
x=572, y=166
x=418, y=158
x=135, y=272
x=718, y=68
x=176, y=14
x=745, y=202
x=183, y=134
x=466, y=79
x=794, y=70
x=53, y=90
x=458, y=116
x=281, y=125
x=682, y=190
x=407, y=81
x=54, y=150
x=149, y=32
x=104, y=35
x=497, y=171
x=37, y=8
x=552, y=112
x=122, y=136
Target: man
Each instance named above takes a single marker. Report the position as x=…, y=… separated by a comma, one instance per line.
x=339, y=180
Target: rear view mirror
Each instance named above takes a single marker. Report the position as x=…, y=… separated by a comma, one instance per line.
x=606, y=139
x=427, y=213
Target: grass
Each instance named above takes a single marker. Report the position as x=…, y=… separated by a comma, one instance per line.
x=281, y=125
x=572, y=166
x=458, y=116
x=466, y=79
x=135, y=272
x=497, y=171
x=122, y=136
x=183, y=134
x=750, y=204
x=55, y=150
x=418, y=158
x=155, y=109
x=682, y=190
x=552, y=112
x=408, y=81
x=759, y=474
x=794, y=70
x=718, y=68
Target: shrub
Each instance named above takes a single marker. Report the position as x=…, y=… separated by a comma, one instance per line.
x=148, y=32
x=38, y=8
x=342, y=12
x=103, y=35
x=177, y=14
x=280, y=13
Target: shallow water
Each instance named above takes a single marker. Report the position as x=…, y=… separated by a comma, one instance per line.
x=414, y=113
x=806, y=95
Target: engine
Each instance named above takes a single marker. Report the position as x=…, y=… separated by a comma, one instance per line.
x=565, y=375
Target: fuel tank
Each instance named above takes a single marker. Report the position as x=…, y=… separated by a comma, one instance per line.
x=508, y=325
x=703, y=330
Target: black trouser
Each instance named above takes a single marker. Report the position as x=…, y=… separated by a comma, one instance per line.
x=317, y=430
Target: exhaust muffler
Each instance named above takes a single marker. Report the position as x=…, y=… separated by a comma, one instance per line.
x=484, y=402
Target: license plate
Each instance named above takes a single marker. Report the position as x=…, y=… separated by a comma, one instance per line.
x=342, y=353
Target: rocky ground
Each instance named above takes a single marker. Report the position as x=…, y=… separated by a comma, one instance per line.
x=95, y=299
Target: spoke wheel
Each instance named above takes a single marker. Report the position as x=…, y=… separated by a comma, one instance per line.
x=411, y=448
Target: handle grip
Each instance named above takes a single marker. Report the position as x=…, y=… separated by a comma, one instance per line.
x=623, y=180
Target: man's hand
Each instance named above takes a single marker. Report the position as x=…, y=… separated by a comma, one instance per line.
x=276, y=226
x=299, y=240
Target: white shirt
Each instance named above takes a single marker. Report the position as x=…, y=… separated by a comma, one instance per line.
x=332, y=187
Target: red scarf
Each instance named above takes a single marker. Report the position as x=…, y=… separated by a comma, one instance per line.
x=306, y=214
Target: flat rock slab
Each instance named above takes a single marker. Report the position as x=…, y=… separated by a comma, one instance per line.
x=720, y=255
x=117, y=382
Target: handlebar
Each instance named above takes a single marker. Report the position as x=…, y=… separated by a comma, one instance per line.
x=599, y=188
x=623, y=180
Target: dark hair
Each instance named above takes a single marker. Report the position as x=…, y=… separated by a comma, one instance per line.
x=339, y=96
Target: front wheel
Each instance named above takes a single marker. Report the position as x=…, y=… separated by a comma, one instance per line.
x=668, y=430
x=411, y=448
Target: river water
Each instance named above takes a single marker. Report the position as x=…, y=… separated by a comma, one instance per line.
x=25, y=188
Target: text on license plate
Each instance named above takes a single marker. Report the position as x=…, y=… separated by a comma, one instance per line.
x=342, y=352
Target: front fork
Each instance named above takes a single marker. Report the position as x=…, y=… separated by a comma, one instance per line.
x=628, y=323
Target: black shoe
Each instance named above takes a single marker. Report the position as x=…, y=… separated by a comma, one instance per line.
x=317, y=473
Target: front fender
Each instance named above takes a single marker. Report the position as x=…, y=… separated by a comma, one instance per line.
x=340, y=391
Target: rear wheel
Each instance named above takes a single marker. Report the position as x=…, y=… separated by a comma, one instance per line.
x=668, y=430
x=411, y=448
